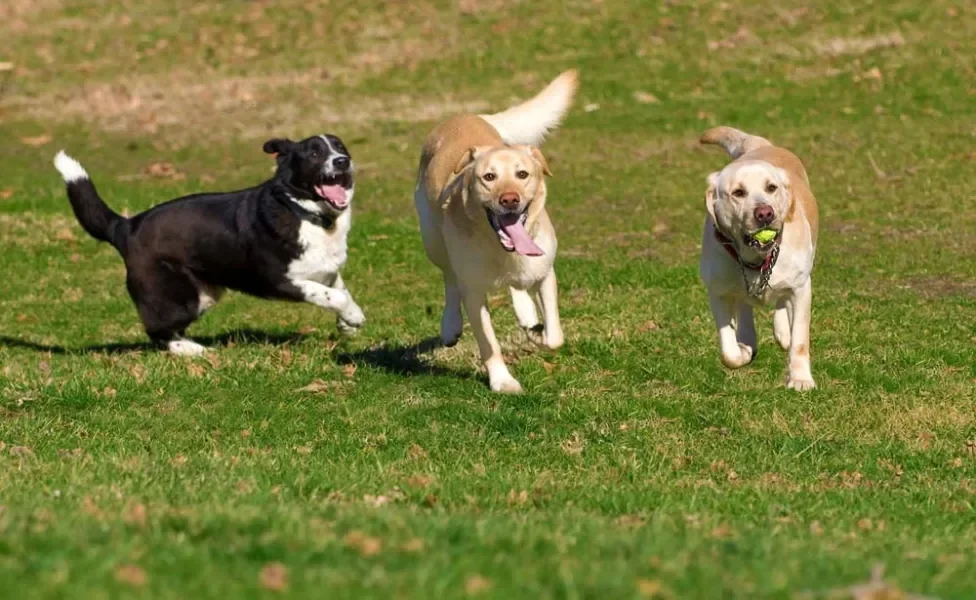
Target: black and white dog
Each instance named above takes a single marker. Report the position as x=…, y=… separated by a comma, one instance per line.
x=284, y=239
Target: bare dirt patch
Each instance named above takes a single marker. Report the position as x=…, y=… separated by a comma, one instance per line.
x=941, y=287
x=916, y=424
x=474, y=7
x=18, y=9
x=855, y=46
x=206, y=101
x=248, y=106
x=30, y=230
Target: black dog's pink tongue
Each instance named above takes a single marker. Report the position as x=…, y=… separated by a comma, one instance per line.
x=334, y=193
x=512, y=226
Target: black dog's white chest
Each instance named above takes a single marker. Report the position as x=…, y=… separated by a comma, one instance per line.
x=321, y=251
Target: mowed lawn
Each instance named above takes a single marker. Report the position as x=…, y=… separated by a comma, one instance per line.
x=292, y=463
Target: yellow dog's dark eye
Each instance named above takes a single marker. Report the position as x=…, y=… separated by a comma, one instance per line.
x=522, y=174
x=739, y=193
x=489, y=176
x=771, y=188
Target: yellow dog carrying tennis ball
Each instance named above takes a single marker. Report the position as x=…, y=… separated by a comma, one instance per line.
x=764, y=236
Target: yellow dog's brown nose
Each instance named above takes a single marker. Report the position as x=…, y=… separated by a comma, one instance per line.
x=509, y=200
x=764, y=214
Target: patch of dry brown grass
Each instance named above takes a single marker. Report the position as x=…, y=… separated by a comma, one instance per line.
x=19, y=9
x=30, y=230
x=941, y=287
x=474, y=7
x=857, y=45
x=916, y=424
x=138, y=89
x=183, y=104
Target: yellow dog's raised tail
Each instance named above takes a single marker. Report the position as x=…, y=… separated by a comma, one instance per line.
x=735, y=142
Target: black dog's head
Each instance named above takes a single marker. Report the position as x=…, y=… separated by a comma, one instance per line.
x=318, y=168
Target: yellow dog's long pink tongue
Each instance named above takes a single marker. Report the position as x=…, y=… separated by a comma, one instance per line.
x=513, y=228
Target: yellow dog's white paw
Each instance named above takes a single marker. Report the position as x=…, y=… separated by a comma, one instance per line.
x=799, y=383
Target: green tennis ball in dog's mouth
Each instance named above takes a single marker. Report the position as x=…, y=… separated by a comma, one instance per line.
x=764, y=236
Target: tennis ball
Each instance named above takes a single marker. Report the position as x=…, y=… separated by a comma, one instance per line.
x=764, y=236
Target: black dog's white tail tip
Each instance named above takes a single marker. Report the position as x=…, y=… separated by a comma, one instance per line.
x=70, y=169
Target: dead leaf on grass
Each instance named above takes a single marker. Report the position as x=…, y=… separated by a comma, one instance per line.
x=364, y=544
x=90, y=508
x=816, y=529
x=476, y=584
x=416, y=452
x=413, y=545
x=376, y=501
x=420, y=480
x=274, y=577
x=873, y=73
x=131, y=575
x=517, y=498
x=649, y=588
x=647, y=326
x=138, y=371
x=317, y=387
x=36, y=141
x=645, y=97
x=574, y=445
x=164, y=170
x=6, y=193
x=135, y=515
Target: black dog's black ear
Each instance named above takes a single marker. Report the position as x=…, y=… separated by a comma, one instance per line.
x=278, y=146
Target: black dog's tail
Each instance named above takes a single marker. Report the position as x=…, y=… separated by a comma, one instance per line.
x=100, y=221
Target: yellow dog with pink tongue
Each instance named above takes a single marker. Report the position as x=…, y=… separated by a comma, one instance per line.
x=481, y=197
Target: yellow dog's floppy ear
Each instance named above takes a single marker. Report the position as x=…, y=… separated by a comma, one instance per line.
x=469, y=156
x=711, y=194
x=786, y=187
x=466, y=159
x=537, y=155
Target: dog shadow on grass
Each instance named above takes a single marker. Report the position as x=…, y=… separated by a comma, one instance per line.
x=405, y=359
x=239, y=336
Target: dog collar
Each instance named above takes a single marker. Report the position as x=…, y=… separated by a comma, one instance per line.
x=765, y=268
x=325, y=221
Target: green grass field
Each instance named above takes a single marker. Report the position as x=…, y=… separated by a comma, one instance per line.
x=292, y=463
